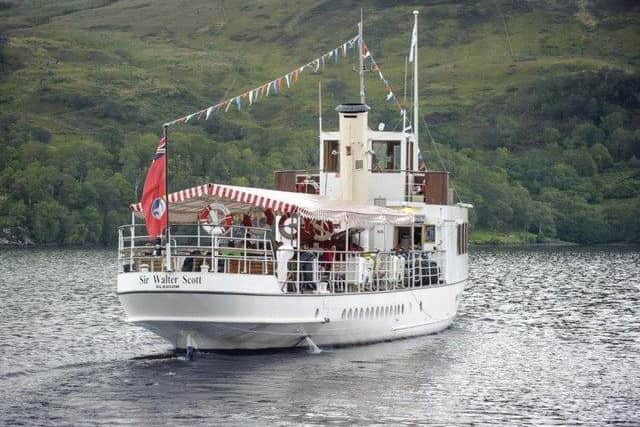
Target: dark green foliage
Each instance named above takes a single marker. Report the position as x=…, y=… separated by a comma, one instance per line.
x=545, y=142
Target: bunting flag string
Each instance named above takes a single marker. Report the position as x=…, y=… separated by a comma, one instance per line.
x=375, y=68
x=274, y=86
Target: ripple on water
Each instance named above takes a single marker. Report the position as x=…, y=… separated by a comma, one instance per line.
x=544, y=336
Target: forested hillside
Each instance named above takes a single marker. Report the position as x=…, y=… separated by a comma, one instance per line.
x=533, y=106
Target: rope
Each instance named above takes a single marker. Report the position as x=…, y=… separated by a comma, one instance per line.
x=442, y=164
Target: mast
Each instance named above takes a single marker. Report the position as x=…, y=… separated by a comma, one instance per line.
x=320, y=110
x=165, y=136
x=404, y=98
x=360, y=45
x=415, y=81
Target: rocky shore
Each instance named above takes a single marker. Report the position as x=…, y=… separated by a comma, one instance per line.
x=15, y=236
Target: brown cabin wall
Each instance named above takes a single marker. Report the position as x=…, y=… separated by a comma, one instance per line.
x=437, y=188
x=286, y=180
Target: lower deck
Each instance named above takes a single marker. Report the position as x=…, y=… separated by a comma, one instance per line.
x=248, y=254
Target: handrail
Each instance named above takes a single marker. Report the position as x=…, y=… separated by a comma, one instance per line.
x=249, y=250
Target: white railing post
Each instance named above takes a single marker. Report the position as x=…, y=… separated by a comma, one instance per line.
x=132, y=236
x=214, y=255
x=265, y=267
x=168, y=250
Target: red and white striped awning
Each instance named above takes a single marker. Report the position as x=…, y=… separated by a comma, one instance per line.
x=185, y=205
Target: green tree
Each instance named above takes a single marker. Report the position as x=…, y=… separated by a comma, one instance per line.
x=49, y=222
x=601, y=157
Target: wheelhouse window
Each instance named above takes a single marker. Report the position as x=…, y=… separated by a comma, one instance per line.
x=331, y=156
x=386, y=156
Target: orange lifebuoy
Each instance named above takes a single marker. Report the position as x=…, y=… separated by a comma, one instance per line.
x=210, y=215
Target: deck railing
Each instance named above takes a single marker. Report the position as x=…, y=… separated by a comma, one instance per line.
x=320, y=271
x=238, y=249
x=250, y=250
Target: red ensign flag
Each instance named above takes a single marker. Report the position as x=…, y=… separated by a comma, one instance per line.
x=154, y=205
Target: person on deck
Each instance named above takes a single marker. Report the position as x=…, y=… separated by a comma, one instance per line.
x=327, y=258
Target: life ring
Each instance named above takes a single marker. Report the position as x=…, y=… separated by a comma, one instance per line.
x=215, y=218
x=288, y=227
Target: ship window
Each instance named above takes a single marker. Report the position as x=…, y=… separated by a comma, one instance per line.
x=331, y=156
x=429, y=233
x=402, y=237
x=463, y=238
x=386, y=156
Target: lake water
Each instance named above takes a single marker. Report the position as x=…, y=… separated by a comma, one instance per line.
x=544, y=336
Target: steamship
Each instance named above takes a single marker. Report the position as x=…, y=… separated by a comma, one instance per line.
x=369, y=247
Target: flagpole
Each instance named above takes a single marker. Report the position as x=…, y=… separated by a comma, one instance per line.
x=360, y=55
x=415, y=83
x=165, y=136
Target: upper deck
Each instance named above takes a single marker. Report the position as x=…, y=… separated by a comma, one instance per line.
x=368, y=166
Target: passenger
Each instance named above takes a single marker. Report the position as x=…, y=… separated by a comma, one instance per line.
x=306, y=267
x=327, y=258
x=157, y=251
x=193, y=262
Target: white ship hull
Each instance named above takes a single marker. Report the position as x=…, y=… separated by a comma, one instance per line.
x=209, y=315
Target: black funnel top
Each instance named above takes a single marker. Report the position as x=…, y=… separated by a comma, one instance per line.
x=352, y=108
